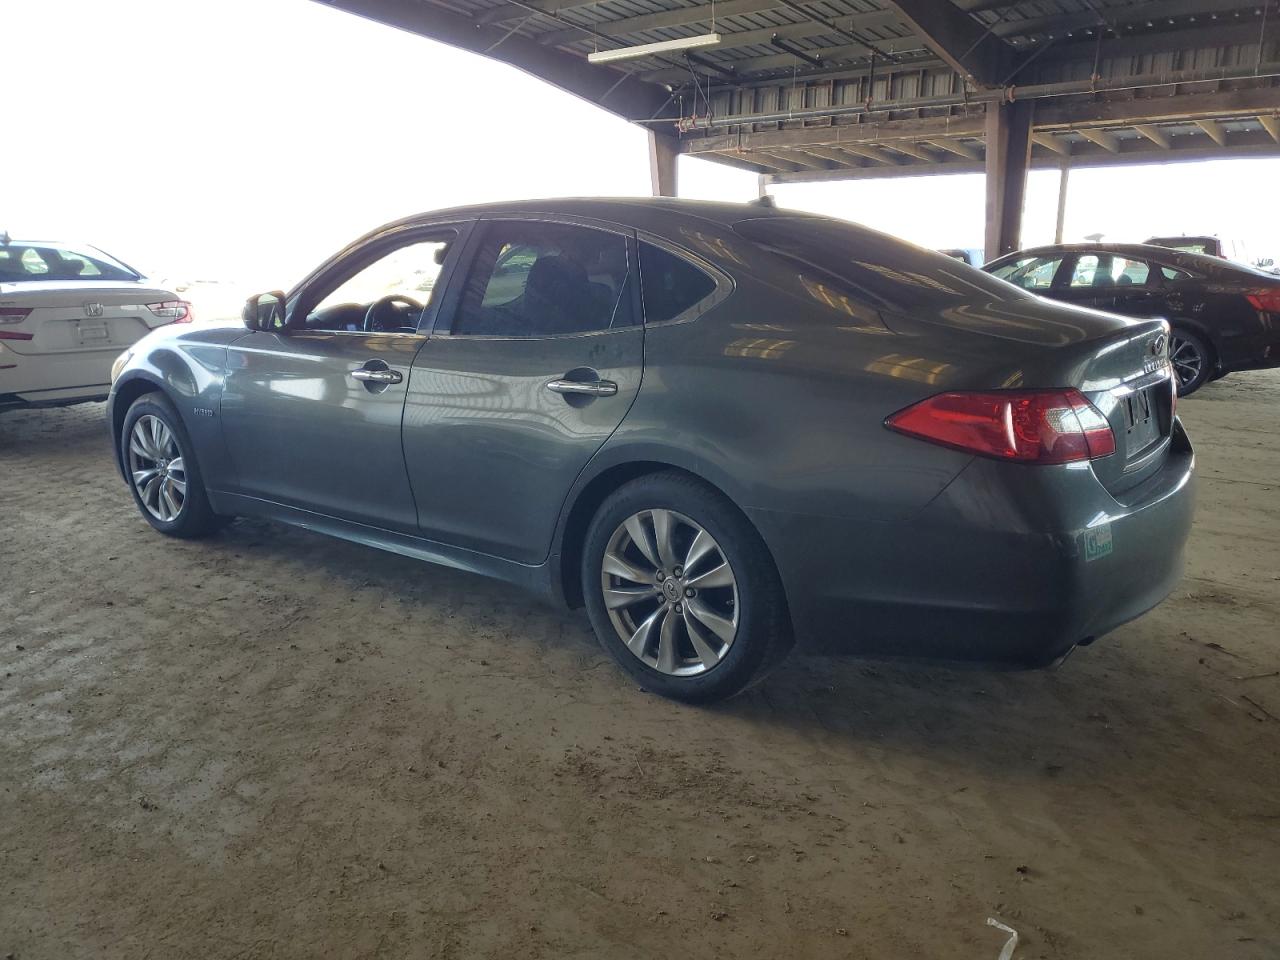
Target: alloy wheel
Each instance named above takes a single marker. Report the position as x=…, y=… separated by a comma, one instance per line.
x=670, y=592
x=156, y=468
x=1186, y=359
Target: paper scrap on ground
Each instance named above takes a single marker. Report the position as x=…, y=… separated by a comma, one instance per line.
x=1009, y=945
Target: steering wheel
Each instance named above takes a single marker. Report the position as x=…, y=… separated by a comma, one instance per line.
x=371, y=315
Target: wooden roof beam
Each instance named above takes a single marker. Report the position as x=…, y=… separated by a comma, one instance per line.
x=960, y=40
x=912, y=150
x=868, y=151
x=1154, y=134
x=1050, y=142
x=1213, y=129
x=959, y=148
x=841, y=157
x=1102, y=138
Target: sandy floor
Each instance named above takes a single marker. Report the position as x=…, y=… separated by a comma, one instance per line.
x=275, y=745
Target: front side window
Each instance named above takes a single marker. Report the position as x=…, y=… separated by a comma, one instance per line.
x=1030, y=273
x=388, y=295
x=1107, y=270
x=670, y=285
x=534, y=279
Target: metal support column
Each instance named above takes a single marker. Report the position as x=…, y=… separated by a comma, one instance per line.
x=1008, y=156
x=663, y=152
x=1062, y=201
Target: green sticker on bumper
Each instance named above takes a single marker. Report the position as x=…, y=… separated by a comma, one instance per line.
x=1097, y=542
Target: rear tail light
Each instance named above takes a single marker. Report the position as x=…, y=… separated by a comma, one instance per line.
x=177, y=311
x=1025, y=426
x=13, y=315
x=1267, y=299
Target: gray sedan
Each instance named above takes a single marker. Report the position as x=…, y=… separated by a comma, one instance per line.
x=722, y=429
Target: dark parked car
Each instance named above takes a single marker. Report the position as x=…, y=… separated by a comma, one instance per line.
x=1224, y=316
x=719, y=427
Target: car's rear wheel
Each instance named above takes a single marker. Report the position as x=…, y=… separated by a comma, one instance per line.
x=1192, y=360
x=162, y=470
x=682, y=591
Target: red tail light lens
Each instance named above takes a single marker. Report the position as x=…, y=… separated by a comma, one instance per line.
x=1026, y=426
x=1267, y=299
x=178, y=311
x=13, y=315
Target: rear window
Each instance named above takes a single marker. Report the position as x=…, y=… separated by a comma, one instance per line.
x=38, y=261
x=877, y=268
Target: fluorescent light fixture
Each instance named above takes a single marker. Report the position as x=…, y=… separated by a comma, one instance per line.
x=648, y=49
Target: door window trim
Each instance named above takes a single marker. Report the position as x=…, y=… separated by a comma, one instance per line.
x=369, y=251
x=443, y=328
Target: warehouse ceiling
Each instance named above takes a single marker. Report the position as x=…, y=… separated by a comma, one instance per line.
x=853, y=89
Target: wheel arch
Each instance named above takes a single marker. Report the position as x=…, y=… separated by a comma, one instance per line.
x=123, y=396
x=1203, y=332
x=567, y=560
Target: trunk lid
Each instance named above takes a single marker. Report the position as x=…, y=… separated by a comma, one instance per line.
x=75, y=316
x=1120, y=364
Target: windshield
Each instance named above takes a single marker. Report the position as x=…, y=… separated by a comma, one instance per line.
x=879, y=269
x=24, y=261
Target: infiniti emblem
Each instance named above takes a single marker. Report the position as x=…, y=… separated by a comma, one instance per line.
x=93, y=309
x=1158, y=344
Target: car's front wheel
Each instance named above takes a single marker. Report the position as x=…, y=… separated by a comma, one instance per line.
x=682, y=591
x=161, y=467
x=1192, y=360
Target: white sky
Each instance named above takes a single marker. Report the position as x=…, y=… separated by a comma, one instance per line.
x=250, y=139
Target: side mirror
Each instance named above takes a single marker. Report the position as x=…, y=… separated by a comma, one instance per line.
x=265, y=312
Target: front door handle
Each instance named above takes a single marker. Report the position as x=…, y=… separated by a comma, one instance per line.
x=588, y=388
x=377, y=376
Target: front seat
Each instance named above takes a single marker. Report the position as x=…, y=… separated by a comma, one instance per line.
x=557, y=297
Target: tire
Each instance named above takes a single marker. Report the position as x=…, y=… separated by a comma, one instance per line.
x=698, y=647
x=1192, y=357
x=152, y=465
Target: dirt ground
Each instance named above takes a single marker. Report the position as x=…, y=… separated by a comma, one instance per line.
x=273, y=745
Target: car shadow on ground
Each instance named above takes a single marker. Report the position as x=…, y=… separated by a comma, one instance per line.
x=1105, y=711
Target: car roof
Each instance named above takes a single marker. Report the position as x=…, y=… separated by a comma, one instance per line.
x=652, y=210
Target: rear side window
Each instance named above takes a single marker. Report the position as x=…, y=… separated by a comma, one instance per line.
x=1107, y=270
x=533, y=279
x=671, y=285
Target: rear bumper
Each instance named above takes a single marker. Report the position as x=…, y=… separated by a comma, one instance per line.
x=1009, y=564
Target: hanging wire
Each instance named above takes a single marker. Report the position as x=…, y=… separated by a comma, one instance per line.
x=1262, y=36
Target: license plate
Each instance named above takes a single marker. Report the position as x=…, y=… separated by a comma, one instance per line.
x=94, y=333
x=1141, y=426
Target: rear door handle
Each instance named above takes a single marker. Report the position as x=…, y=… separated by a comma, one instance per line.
x=377, y=376
x=589, y=388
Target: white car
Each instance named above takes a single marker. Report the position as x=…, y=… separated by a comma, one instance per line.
x=66, y=312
